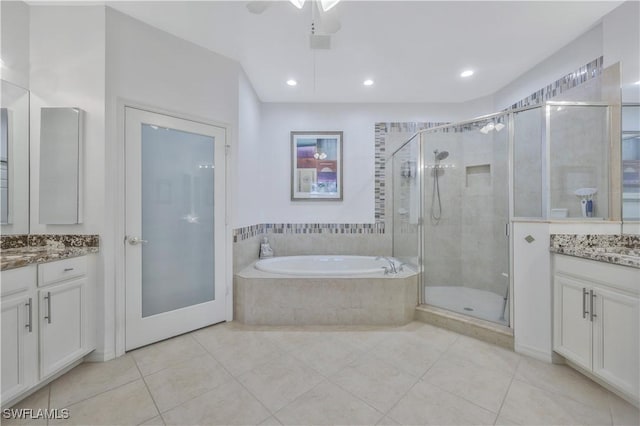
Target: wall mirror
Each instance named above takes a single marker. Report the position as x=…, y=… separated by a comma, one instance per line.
x=61, y=144
x=316, y=166
x=14, y=159
x=631, y=162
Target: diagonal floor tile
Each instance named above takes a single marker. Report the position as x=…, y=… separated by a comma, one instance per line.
x=129, y=404
x=328, y=356
x=485, y=354
x=407, y=352
x=91, y=378
x=482, y=386
x=226, y=405
x=374, y=381
x=327, y=404
x=181, y=382
x=279, y=380
x=622, y=412
x=529, y=405
x=425, y=404
x=35, y=401
x=563, y=380
x=164, y=354
x=440, y=338
x=237, y=350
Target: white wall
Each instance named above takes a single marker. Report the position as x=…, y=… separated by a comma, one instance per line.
x=357, y=121
x=567, y=59
x=249, y=202
x=153, y=69
x=14, y=42
x=68, y=69
x=622, y=44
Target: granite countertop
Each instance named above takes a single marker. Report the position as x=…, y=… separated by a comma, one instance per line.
x=41, y=249
x=616, y=249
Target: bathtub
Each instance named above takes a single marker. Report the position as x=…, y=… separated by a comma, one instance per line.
x=324, y=290
x=324, y=265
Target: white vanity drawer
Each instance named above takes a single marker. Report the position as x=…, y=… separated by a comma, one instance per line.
x=17, y=280
x=52, y=272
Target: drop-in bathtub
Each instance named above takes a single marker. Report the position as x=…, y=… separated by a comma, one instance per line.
x=324, y=290
x=324, y=265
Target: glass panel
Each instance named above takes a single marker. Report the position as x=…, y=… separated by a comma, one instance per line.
x=406, y=204
x=466, y=260
x=579, y=177
x=631, y=162
x=177, y=218
x=528, y=156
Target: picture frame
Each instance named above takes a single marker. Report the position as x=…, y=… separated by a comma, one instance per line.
x=316, y=166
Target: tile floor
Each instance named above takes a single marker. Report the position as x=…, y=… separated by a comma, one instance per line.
x=416, y=374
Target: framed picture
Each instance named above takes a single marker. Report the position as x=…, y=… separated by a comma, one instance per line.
x=316, y=166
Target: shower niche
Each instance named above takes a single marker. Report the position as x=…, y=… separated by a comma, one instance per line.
x=478, y=176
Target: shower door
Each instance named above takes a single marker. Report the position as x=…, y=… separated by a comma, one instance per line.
x=175, y=227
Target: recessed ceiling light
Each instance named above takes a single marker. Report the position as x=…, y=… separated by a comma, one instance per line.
x=466, y=73
x=292, y=82
x=368, y=82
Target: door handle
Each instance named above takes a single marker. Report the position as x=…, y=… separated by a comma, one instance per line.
x=135, y=240
x=593, y=314
x=48, y=299
x=584, y=303
x=29, y=325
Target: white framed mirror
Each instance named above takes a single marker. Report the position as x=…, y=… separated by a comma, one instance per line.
x=61, y=145
x=14, y=159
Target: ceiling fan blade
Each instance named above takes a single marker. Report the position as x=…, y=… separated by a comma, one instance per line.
x=258, y=7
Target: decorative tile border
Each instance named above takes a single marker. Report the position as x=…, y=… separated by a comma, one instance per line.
x=38, y=240
x=382, y=130
x=241, y=234
x=585, y=73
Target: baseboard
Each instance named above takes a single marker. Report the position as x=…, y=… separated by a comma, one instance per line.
x=99, y=356
x=533, y=352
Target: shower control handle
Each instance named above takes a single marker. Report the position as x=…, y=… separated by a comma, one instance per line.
x=584, y=303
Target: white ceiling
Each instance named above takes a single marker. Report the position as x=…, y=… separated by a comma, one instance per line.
x=414, y=50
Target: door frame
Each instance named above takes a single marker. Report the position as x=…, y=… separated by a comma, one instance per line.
x=119, y=219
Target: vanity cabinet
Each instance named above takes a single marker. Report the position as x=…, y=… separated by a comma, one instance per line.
x=47, y=322
x=597, y=320
x=19, y=332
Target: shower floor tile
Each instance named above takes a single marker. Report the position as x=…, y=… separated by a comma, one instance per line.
x=468, y=301
x=415, y=374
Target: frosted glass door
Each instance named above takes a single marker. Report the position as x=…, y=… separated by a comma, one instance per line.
x=175, y=226
x=177, y=219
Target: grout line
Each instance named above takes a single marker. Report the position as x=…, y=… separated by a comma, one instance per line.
x=149, y=391
x=513, y=376
x=234, y=378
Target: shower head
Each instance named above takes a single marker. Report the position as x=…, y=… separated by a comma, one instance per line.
x=441, y=155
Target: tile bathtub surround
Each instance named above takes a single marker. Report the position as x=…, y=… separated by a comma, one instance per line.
x=621, y=249
x=414, y=374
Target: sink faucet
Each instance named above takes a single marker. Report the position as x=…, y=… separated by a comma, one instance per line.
x=392, y=265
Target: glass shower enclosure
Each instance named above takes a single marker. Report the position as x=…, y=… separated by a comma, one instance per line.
x=457, y=188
